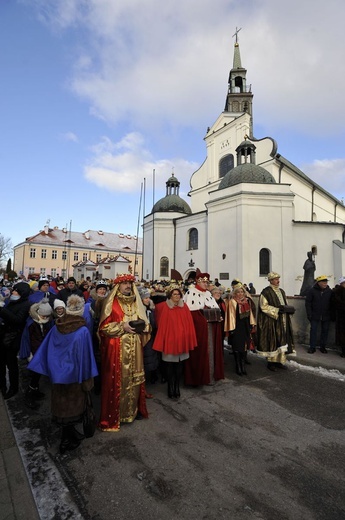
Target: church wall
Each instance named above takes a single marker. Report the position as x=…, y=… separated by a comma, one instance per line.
x=183, y=255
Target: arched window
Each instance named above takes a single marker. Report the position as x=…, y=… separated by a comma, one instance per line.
x=193, y=239
x=164, y=266
x=265, y=261
x=226, y=164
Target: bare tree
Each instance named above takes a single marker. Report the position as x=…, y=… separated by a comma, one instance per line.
x=5, y=248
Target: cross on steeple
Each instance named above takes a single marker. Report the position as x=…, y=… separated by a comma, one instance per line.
x=236, y=33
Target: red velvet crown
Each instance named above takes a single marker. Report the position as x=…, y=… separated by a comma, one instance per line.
x=125, y=277
x=201, y=276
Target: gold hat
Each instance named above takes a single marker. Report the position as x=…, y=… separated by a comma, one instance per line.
x=272, y=275
x=322, y=278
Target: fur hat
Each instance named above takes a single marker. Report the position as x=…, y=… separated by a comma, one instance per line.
x=44, y=309
x=75, y=305
x=59, y=303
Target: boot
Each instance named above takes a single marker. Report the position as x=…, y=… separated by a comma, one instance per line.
x=237, y=363
x=11, y=392
x=177, y=380
x=68, y=441
x=243, y=363
x=170, y=379
x=29, y=399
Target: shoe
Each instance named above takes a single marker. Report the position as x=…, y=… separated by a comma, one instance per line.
x=311, y=350
x=281, y=366
x=271, y=367
x=30, y=402
x=139, y=416
x=148, y=396
x=323, y=350
x=11, y=392
x=77, y=435
x=68, y=445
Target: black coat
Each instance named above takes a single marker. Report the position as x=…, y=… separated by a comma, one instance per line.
x=13, y=319
x=64, y=294
x=318, y=303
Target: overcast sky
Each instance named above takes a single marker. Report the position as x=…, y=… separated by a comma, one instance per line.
x=95, y=94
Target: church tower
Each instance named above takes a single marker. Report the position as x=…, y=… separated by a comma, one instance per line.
x=239, y=98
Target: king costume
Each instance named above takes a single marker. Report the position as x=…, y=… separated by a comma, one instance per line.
x=275, y=337
x=122, y=365
x=206, y=363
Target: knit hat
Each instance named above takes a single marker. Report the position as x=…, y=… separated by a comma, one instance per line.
x=71, y=279
x=144, y=293
x=341, y=280
x=59, y=303
x=44, y=309
x=33, y=284
x=42, y=282
x=22, y=288
x=75, y=305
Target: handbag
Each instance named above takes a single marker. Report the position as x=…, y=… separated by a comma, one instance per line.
x=89, y=417
x=138, y=325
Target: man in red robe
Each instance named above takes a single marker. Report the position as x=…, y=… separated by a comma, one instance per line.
x=206, y=363
x=122, y=365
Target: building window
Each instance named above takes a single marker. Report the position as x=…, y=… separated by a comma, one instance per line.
x=75, y=256
x=84, y=257
x=64, y=273
x=193, y=239
x=42, y=272
x=164, y=266
x=53, y=273
x=225, y=165
x=64, y=255
x=54, y=254
x=44, y=253
x=98, y=257
x=265, y=261
x=31, y=270
x=32, y=252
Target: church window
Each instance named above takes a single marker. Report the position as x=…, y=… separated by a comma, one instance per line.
x=265, y=261
x=193, y=239
x=164, y=266
x=226, y=164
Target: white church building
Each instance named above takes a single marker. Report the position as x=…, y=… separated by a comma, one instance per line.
x=251, y=211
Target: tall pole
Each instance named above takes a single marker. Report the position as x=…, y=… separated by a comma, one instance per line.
x=153, y=225
x=142, y=255
x=136, y=247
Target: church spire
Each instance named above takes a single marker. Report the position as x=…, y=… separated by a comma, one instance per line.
x=239, y=97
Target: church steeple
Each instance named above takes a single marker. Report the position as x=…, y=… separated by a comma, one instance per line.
x=239, y=98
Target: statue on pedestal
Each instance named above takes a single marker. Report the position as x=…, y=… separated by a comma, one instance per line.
x=309, y=274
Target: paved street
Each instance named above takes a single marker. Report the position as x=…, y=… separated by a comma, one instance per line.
x=266, y=446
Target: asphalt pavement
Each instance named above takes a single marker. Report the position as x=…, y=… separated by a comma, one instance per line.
x=16, y=496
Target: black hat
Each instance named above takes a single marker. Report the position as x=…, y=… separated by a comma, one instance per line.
x=22, y=288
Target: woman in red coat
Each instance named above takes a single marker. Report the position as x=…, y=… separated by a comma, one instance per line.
x=175, y=337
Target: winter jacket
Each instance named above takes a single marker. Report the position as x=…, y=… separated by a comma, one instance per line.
x=318, y=303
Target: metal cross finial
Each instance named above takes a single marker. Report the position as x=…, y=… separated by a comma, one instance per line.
x=236, y=33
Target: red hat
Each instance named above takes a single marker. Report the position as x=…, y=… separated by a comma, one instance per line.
x=202, y=276
x=124, y=278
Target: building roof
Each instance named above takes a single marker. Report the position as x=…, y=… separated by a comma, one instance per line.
x=248, y=172
x=90, y=239
x=172, y=203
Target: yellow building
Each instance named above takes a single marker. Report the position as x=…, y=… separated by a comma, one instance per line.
x=54, y=252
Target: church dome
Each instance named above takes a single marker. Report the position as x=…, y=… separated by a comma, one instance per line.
x=246, y=172
x=172, y=203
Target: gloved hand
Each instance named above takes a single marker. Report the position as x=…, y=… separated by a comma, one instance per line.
x=281, y=309
x=30, y=357
x=2, y=303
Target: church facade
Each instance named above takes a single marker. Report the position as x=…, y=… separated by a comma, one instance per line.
x=251, y=210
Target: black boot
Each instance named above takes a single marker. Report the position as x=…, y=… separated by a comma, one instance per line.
x=30, y=399
x=177, y=376
x=11, y=392
x=237, y=363
x=68, y=440
x=243, y=363
x=170, y=378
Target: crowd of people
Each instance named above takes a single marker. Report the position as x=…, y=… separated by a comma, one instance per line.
x=117, y=336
